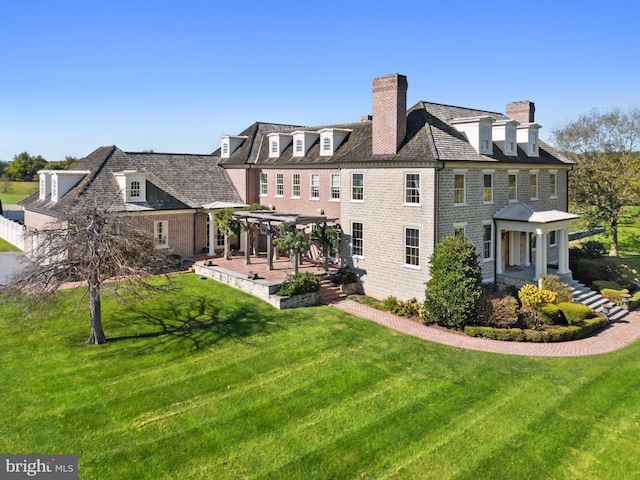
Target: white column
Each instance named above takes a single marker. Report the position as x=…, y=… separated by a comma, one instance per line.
x=499, y=266
x=540, y=238
x=527, y=249
x=563, y=252
x=212, y=238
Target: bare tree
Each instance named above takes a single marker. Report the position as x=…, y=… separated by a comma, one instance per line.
x=606, y=177
x=90, y=244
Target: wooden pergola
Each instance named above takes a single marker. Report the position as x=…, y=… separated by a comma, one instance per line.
x=268, y=221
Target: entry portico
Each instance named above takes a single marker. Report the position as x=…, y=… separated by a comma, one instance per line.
x=524, y=220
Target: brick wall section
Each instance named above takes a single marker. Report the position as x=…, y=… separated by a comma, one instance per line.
x=475, y=211
x=389, y=125
x=181, y=229
x=522, y=111
x=382, y=271
x=238, y=178
x=200, y=233
x=303, y=205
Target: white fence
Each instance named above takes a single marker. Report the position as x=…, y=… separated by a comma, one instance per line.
x=12, y=232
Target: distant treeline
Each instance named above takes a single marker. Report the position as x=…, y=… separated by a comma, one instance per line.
x=25, y=167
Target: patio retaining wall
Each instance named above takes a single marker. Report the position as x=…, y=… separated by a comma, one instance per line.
x=262, y=289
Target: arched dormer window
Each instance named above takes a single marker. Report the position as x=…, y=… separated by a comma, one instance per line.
x=274, y=147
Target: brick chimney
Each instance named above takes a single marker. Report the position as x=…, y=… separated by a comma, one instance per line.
x=389, y=124
x=522, y=111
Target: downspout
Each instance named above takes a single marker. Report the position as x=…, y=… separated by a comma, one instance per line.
x=436, y=206
x=496, y=239
x=567, y=185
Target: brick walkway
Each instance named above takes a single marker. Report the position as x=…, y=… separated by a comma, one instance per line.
x=617, y=335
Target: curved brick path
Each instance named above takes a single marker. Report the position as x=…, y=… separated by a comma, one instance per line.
x=617, y=335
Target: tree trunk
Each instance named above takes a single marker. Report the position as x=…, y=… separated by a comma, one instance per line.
x=97, y=334
x=325, y=255
x=614, y=239
x=226, y=245
x=294, y=261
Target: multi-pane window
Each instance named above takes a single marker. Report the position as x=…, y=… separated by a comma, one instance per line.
x=326, y=144
x=43, y=187
x=485, y=139
x=134, y=189
x=511, y=141
x=298, y=145
x=487, y=191
x=357, y=186
x=219, y=238
x=553, y=238
x=54, y=186
x=295, y=185
x=357, y=249
x=487, y=241
x=553, y=184
x=513, y=187
x=274, y=148
x=459, y=193
x=534, y=186
x=335, y=186
x=208, y=231
x=412, y=246
x=533, y=142
x=279, y=184
x=264, y=186
x=225, y=149
x=160, y=231
x=412, y=188
x=315, y=185
x=459, y=229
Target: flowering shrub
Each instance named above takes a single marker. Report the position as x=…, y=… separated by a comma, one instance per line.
x=532, y=296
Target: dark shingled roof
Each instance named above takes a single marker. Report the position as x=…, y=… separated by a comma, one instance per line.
x=174, y=181
x=430, y=138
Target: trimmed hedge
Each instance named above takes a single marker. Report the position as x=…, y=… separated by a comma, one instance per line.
x=598, y=285
x=556, y=334
x=552, y=315
x=305, y=282
x=574, y=312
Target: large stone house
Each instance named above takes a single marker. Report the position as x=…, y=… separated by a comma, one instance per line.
x=400, y=180
x=396, y=182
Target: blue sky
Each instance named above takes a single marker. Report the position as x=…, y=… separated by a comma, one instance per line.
x=174, y=76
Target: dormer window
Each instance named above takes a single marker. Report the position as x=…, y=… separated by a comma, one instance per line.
x=477, y=131
x=54, y=187
x=302, y=142
x=298, y=145
x=331, y=139
x=274, y=148
x=229, y=144
x=527, y=138
x=133, y=185
x=278, y=142
x=58, y=182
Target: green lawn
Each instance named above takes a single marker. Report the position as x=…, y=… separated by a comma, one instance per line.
x=16, y=191
x=7, y=247
x=246, y=391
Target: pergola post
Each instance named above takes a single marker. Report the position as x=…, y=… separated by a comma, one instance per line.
x=211, y=232
x=247, y=249
x=269, y=247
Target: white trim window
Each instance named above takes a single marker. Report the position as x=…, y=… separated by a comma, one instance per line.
x=487, y=241
x=459, y=189
x=315, y=186
x=357, y=239
x=553, y=238
x=460, y=229
x=295, y=185
x=412, y=188
x=511, y=141
x=335, y=187
x=279, y=184
x=513, y=187
x=553, y=184
x=411, y=247
x=357, y=187
x=161, y=233
x=54, y=187
x=533, y=184
x=219, y=238
x=274, y=147
x=298, y=145
x=264, y=185
x=487, y=188
x=134, y=189
x=485, y=142
x=326, y=144
x=43, y=187
x=225, y=149
x=533, y=143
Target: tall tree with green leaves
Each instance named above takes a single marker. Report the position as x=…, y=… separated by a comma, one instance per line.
x=24, y=167
x=227, y=225
x=327, y=237
x=605, y=146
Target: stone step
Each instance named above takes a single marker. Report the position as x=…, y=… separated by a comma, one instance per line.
x=597, y=302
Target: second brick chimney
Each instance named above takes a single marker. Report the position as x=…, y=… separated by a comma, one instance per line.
x=522, y=111
x=389, y=124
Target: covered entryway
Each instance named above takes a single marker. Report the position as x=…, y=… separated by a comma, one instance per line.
x=524, y=235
